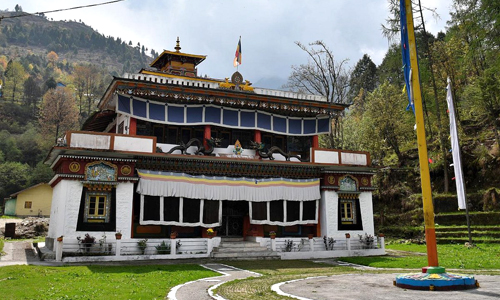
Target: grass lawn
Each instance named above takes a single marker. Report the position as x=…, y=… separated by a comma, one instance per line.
x=9, y=217
x=1, y=246
x=95, y=282
x=450, y=256
x=273, y=272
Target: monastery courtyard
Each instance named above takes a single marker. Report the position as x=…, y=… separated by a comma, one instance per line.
x=364, y=283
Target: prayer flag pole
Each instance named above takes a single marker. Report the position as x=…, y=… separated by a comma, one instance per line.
x=433, y=277
x=430, y=232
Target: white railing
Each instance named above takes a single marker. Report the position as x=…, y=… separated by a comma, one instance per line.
x=304, y=248
x=70, y=250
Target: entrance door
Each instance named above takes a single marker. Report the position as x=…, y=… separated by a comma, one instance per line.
x=232, y=218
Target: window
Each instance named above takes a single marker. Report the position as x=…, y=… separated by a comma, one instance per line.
x=347, y=211
x=27, y=204
x=283, y=212
x=180, y=211
x=97, y=207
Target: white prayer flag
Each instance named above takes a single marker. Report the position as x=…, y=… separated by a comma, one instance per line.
x=455, y=150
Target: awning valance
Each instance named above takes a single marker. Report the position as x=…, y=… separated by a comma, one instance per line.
x=196, y=114
x=167, y=184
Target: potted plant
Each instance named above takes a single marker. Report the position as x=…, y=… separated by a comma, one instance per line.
x=87, y=241
x=272, y=234
x=142, y=244
x=60, y=239
x=163, y=248
x=310, y=236
x=118, y=235
x=347, y=235
x=210, y=233
x=173, y=234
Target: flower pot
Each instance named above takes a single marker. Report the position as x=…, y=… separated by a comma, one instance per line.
x=347, y=235
x=272, y=236
x=60, y=239
x=173, y=236
x=118, y=236
x=310, y=236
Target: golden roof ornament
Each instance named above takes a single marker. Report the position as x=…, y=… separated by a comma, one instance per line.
x=177, y=46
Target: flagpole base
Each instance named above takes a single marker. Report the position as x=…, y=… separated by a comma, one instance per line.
x=435, y=279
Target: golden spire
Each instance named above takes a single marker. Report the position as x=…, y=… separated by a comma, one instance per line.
x=177, y=46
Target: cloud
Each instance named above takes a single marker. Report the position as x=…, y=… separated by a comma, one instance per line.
x=268, y=29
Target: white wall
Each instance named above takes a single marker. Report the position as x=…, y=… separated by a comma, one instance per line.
x=124, y=197
x=65, y=206
x=67, y=195
x=329, y=215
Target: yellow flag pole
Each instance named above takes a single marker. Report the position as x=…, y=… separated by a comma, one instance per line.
x=430, y=232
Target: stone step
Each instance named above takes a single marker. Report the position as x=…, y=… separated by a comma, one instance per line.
x=239, y=249
x=246, y=255
x=240, y=245
x=232, y=239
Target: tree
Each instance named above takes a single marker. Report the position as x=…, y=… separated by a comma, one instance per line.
x=385, y=126
x=58, y=112
x=32, y=93
x=52, y=58
x=363, y=77
x=14, y=79
x=13, y=177
x=325, y=76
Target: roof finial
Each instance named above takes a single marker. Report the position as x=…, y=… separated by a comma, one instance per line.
x=177, y=46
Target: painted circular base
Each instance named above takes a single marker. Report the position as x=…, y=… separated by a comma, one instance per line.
x=436, y=282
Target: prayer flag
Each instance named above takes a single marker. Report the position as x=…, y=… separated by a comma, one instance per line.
x=405, y=51
x=455, y=150
x=237, y=55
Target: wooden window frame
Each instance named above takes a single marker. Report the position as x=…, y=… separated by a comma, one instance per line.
x=97, y=217
x=28, y=204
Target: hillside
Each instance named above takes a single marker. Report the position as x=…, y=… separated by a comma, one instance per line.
x=73, y=41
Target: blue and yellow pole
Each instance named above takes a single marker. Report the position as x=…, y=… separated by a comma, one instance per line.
x=430, y=232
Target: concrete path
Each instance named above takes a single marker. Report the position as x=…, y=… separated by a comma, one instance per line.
x=378, y=287
x=18, y=253
x=202, y=289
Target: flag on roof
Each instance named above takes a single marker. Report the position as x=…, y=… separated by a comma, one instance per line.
x=237, y=55
x=405, y=51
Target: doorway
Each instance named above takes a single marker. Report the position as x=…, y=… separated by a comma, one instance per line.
x=233, y=213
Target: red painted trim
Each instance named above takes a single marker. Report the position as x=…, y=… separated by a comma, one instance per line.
x=315, y=141
x=257, y=136
x=132, y=129
x=207, y=135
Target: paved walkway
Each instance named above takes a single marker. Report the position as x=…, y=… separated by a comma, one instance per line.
x=202, y=289
x=379, y=287
x=18, y=253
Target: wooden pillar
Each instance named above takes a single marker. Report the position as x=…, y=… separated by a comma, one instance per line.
x=132, y=126
x=315, y=141
x=207, y=135
x=257, y=136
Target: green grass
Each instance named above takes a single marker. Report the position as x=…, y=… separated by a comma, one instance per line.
x=9, y=217
x=450, y=256
x=273, y=272
x=96, y=282
x=39, y=239
x=2, y=242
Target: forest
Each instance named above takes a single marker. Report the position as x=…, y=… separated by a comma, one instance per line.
x=54, y=73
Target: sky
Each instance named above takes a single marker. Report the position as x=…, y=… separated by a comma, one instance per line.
x=268, y=29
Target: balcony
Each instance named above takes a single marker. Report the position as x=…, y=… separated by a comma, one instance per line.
x=140, y=145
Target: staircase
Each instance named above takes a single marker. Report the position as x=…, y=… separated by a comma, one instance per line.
x=237, y=248
x=459, y=234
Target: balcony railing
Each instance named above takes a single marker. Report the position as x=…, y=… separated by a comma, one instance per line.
x=147, y=144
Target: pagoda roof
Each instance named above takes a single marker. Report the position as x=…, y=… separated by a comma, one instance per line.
x=167, y=56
